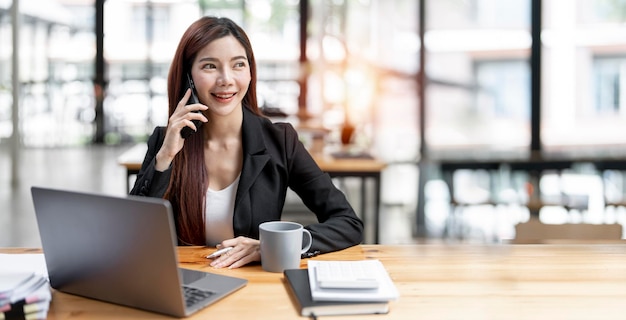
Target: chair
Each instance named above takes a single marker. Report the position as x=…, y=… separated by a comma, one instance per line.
x=534, y=231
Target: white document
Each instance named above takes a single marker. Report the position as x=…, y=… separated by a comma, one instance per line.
x=23, y=263
x=345, y=275
x=385, y=291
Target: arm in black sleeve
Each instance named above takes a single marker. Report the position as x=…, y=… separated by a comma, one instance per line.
x=338, y=227
x=150, y=182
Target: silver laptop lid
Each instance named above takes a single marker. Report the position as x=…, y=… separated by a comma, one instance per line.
x=119, y=250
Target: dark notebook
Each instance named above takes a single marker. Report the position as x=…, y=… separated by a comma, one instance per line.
x=298, y=282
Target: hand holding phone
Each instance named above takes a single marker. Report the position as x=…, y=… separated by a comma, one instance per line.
x=187, y=131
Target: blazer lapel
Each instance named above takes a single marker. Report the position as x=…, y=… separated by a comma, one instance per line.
x=255, y=158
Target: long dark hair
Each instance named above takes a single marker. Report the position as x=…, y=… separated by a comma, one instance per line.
x=189, y=179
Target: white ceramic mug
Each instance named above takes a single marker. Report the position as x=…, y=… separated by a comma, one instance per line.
x=282, y=245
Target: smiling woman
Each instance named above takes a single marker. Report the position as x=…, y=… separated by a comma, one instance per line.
x=233, y=174
x=222, y=76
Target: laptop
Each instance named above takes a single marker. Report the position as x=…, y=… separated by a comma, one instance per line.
x=121, y=250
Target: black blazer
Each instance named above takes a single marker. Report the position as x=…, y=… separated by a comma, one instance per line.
x=274, y=159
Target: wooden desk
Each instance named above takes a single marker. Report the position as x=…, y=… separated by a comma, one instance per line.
x=362, y=169
x=561, y=281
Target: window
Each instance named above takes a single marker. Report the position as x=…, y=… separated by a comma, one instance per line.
x=584, y=74
x=274, y=31
x=363, y=58
x=503, y=89
x=478, y=75
x=56, y=72
x=609, y=85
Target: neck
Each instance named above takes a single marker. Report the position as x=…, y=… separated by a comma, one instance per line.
x=224, y=127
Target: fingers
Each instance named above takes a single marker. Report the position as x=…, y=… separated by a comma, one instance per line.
x=184, y=103
x=243, y=261
x=232, y=242
x=185, y=98
x=245, y=250
x=186, y=115
x=237, y=257
x=183, y=116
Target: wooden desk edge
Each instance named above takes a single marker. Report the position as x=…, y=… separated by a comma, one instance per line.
x=133, y=158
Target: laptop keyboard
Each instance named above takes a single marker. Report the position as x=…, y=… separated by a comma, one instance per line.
x=195, y=295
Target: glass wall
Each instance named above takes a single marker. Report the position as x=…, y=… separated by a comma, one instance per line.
x=274, y=30
x=360, y=66
x=142, y=36
x=363, y=62
x=584, y=74
x=478, y=75
x=140, y=40
x=55, y=72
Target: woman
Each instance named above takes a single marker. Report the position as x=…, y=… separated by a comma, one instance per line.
x=232, y=174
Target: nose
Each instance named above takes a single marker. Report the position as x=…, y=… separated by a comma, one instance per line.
x=225, y=78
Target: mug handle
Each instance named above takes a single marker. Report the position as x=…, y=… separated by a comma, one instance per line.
x=309, y=241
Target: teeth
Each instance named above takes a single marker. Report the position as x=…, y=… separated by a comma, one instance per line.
x=224, y=96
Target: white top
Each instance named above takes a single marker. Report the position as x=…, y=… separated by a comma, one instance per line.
x=218, y=216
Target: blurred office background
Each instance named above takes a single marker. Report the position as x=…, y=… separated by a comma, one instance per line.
x=423, y=82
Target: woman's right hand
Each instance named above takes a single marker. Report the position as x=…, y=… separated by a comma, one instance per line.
x=182, y=117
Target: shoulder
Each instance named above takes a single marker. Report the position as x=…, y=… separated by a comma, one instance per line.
x=282, y=128
x=267, y=128
x=157, y=137
x=282, y=132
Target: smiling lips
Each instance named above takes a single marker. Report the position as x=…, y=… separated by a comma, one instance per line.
x=224, y=96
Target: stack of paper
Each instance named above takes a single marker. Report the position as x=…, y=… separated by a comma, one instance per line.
x=341, y=296
x=385, y=290
x=24, y=296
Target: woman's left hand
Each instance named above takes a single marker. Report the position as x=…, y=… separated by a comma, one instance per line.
x=244, y=250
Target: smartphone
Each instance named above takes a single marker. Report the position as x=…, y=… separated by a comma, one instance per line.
x=187, y=131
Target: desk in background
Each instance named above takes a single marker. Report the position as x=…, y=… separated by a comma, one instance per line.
x=556, y=281
x=361, y=168
x=532, y=163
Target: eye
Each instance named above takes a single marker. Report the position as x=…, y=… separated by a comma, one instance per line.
x=209, y=66
x=240, y=64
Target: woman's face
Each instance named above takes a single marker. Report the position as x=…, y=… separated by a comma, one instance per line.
x=221, y=74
